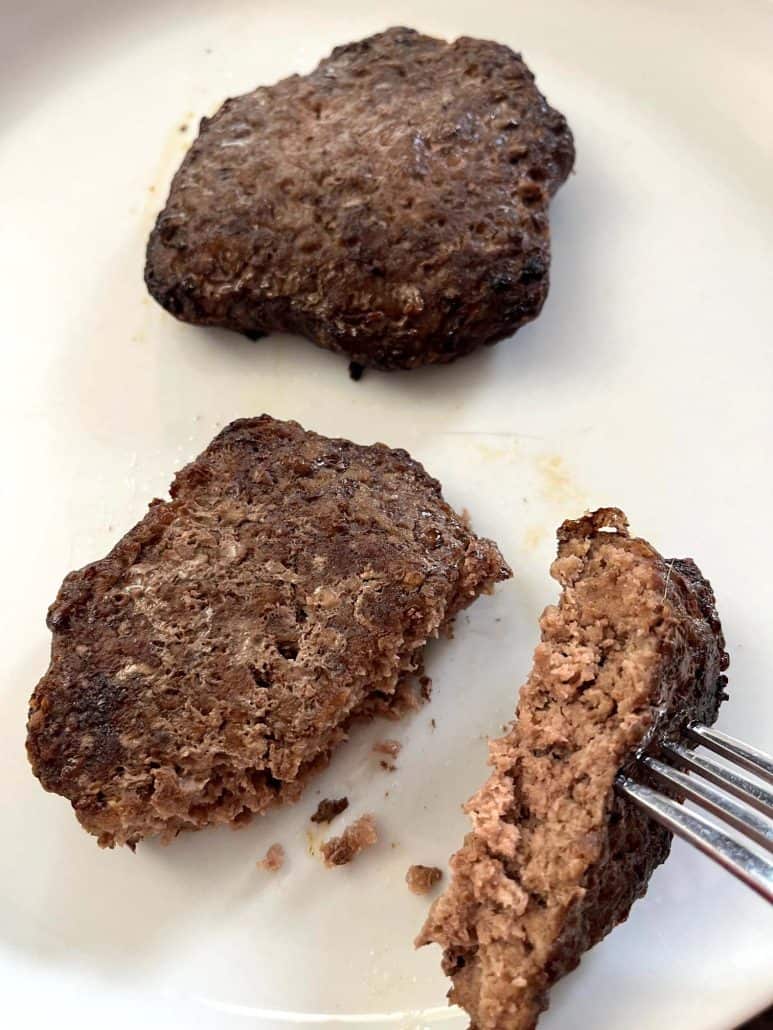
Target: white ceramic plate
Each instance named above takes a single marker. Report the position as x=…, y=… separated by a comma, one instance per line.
x=645, y=383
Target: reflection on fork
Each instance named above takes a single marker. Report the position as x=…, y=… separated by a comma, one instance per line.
x=740, y=802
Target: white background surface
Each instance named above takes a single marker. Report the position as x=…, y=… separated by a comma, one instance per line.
x=645, y=383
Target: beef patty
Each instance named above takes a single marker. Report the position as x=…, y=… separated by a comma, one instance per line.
x=556, y=857
x=391, y=205
x=216, y=656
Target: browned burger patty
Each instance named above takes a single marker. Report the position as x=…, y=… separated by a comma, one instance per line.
x=391, y=205
x=632, y=651
x=215, y=657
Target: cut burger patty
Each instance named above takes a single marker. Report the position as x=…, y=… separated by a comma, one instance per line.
x=632, y=652
x=215, y=657
x=391, y=205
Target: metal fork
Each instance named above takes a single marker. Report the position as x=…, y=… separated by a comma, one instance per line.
x=733, y=798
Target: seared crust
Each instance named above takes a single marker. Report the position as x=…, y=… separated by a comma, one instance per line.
x=632, y=651
x=215, y=657
x=391, y=205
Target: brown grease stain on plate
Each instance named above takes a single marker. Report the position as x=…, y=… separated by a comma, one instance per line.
x=533, y=537
x=174, y=149
x=311, y=843
x=175, y=146
x=556, y=484
x=504, y=451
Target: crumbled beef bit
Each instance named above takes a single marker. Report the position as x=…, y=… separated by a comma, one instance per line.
x=274, y=859
x=422, y=878
x=388, y=747
x=355, y=838
x=329, y=808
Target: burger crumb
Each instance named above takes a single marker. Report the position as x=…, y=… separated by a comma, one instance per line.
x=355, y=838
x=329, y=808
x=274, y=860
x=388, y=747
x=422, y=878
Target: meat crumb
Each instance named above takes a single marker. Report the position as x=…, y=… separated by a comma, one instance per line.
x=355, y=371
x=432, y=723
x=388, y=747
x=388, y=766
x=422, y=878
x=274, y=859
x=329, y=808
x=426, y=687
x=355, y=838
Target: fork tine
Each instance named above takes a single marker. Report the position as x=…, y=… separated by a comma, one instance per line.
x=755, y=870
x=734, y=783
x=737, y=815
x=750, y=758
